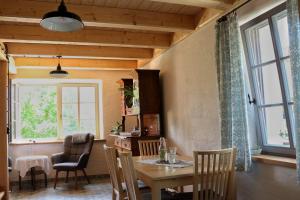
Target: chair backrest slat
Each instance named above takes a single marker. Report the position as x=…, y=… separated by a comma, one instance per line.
x=130, y=177
x=148, y=147
x=114, y=170
x=212, y=174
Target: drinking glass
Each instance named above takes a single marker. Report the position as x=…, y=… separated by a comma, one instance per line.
x=172, y=155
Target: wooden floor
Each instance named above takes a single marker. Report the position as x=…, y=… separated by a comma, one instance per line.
x=99, y=189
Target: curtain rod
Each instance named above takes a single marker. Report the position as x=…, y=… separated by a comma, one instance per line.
x=224, y=17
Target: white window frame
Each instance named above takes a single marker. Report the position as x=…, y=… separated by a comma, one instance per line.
x=286, y=102
x=59, y=83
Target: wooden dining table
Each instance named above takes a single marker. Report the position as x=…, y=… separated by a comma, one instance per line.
x=158, y=177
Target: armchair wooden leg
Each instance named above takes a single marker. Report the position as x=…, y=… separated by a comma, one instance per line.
x=67, y=177
x=87, y=178
x=55, y=181
x=46, y=179
x=75, y=179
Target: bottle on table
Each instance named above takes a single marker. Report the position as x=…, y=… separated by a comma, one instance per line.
x=162, y=149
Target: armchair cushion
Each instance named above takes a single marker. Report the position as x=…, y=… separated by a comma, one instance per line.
x=58, y=158
x=80, y=138
x=67, y=166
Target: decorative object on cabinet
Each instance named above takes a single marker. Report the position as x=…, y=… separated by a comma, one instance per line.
x=140, y=98
x=117, y=128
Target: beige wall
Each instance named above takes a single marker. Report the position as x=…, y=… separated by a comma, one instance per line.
x=189, y=83
x=96, y=165
x=111, y=114
x=190, y=96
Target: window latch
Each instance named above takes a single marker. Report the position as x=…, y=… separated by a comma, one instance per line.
x=251, y=100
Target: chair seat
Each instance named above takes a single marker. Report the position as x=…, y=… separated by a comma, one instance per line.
x=65, y=166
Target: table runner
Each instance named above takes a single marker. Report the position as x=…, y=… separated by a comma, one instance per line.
x=179, y=164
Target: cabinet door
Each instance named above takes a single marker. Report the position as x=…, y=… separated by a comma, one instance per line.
x=149, y=91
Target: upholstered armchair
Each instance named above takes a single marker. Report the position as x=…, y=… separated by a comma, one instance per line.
x=77, y=150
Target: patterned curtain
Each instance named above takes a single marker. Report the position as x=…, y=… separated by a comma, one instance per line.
x=234, y=131
x=294, y=33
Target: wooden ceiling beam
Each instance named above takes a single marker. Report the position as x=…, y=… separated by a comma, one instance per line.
x=22, y=49
x=32, y=12
x=36, y=34
x=75, y=63
x=215, y=4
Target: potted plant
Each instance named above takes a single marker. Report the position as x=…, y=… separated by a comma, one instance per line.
x=129, y=95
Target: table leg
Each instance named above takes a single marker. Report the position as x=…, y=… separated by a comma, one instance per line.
x=20, y=182
x=156, y=193
x=32, y=172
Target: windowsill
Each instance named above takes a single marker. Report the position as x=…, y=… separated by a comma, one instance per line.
x=46, y=142
x=275, y=160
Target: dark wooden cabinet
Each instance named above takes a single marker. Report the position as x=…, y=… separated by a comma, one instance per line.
x=145, y=106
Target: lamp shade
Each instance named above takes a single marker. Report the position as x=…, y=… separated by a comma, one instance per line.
x=61, y=20
x=59, y=73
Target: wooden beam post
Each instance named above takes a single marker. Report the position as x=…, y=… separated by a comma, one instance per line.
x=215, y=4
x=32, y=12
x=75, y=63
x=81, y=51
x=3, y=130
x=36, y=34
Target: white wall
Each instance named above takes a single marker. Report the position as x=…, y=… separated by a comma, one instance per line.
x=190, y=97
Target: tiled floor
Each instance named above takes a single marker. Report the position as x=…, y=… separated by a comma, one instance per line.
x=99, y=189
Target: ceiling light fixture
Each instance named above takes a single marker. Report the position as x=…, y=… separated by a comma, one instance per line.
x=59, y=73
x=62, y=20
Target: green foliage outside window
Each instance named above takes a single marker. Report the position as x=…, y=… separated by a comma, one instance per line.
x=38, y=112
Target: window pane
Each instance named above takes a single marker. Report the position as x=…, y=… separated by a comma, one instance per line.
x=69, y=111
x=268, y=85
x=69, y=95
x=281, y=27
x=87, y=111
x=38, y=115
x=70, y=126
x=259, y=43
x=275, y=126
x=70, y=118
x=88, y=126
x=87, y=94
x=288, y=75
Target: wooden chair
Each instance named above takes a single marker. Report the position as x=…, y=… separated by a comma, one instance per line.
x=148, y=147
x=130, y=177
x=213, y=174
x=115, y=175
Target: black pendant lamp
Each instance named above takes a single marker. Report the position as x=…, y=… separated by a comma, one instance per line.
x=61, y=20
x=59, y=73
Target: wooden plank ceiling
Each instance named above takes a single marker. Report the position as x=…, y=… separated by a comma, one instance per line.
x=117, y=32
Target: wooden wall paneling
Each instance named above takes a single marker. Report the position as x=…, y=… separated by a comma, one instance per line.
x=3, y=131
